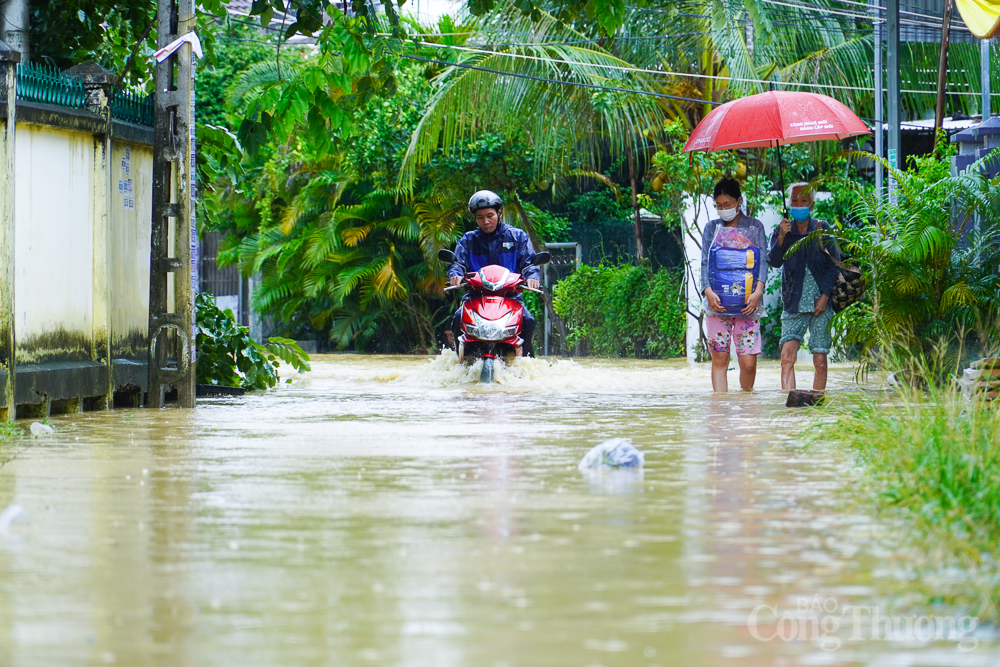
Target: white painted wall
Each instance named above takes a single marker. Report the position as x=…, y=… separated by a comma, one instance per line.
x=131, y=220
x=53, y=233
x=429, y=11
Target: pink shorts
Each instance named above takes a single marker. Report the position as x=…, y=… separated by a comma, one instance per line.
x=723, y=329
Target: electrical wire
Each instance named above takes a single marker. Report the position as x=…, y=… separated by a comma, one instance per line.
x=866, y=17
x=590, y=85
x=641, y=70
x=580, y=84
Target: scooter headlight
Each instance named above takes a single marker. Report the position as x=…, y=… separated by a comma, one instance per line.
x=490, y=329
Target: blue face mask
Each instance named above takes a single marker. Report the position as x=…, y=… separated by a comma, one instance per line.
x=800, y=213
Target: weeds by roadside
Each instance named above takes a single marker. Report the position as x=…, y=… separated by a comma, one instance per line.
x=932, y=460
x=10, y=430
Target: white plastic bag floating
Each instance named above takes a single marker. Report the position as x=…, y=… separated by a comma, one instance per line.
x=38, y=428
x=12, y=514
x=612, y=454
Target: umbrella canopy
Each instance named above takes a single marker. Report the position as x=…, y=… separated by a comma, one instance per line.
x=981, y=16
x=774, y=118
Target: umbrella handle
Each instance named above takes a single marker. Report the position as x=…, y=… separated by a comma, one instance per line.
x=781, y=182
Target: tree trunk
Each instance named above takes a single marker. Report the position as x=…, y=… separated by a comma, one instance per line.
x=942, y=66
x=639, y=254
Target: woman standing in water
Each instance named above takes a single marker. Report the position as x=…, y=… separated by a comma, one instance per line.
x=732, y=281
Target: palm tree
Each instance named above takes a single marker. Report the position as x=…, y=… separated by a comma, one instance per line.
x=545, y=89
x=360, y=270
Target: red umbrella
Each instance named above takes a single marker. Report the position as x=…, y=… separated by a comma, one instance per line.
x=772, y=119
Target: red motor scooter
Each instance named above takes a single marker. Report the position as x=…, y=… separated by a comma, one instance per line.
x=491, y=320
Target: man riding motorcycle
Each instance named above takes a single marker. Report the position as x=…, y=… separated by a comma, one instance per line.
x=495, y=243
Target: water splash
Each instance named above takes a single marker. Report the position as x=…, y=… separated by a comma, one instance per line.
x=676, y=377
x=445, y=370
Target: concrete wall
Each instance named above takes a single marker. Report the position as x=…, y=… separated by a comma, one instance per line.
x=53, y=240
x=131, y=213
x=81, y=225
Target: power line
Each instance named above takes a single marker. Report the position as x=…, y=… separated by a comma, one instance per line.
x=591, y=85
x=518, y=75
x=623, y=68
x=865, y=17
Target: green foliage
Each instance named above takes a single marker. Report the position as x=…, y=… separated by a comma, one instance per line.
x=498, y=91
x=9, y=430
x=550, y=227
x=847, y=189
x=682, y=176
x=238, y=47
x=598, y=205
x=337, y=251
x=68, y=32
x=770, y=319
x=71, y=31
x=228, y=356
x=623, y=310
x=931, y=280
x=931, y=461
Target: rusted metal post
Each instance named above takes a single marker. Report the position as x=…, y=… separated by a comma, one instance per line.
x=8, y=96
x=636, y=219
x=942, y=80
x=984, y=71
x=171, y=297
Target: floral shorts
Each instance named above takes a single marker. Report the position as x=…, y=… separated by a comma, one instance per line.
x=724, y=330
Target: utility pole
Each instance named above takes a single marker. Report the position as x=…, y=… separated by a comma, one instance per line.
x=942, y=80
x=984, y=68
x=8, y=95
x=14, y=26
x=171, y=292
x=879, y=111
x=893, y=102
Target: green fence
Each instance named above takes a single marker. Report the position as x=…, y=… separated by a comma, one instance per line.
x=50, y=85
x=133, y=106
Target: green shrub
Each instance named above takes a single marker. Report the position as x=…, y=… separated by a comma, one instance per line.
x=228, y=356
x=931, y=260
x=620, y=311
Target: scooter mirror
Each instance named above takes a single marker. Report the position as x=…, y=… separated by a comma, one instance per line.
x=446, y=255
x=541, y=258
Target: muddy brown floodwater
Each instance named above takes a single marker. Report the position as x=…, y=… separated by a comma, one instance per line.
x=388, y=511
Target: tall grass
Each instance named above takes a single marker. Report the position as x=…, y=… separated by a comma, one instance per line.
x=933, y=459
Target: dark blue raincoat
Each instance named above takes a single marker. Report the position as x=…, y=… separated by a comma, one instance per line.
x=507, y=246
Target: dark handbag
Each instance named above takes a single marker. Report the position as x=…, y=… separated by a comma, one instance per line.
x=850, y=285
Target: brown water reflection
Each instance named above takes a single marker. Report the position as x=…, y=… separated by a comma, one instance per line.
x=381, y=512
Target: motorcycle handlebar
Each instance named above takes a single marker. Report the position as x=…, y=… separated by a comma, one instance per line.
x=524, y=288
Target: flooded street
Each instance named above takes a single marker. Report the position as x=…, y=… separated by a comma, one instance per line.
x=387, y=511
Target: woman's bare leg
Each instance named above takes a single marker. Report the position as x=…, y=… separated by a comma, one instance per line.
x=720, y=365
x=748, y=371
